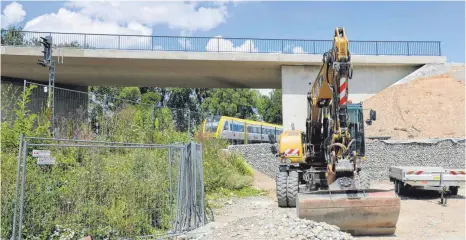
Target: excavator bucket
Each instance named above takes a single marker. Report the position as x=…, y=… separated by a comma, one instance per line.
x=368, y=212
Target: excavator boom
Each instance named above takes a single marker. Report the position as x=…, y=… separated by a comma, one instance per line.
x=326, y=157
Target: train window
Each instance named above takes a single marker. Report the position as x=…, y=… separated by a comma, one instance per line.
x=257, y=130
x=226, y=127
x=250, y=129
x=212, y=124
x=237, y=127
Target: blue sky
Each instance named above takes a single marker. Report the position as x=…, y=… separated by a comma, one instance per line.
x=410, y=21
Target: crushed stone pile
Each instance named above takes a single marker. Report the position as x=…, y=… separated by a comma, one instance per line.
x=259, y=156
x=276, y=223
x=422, y=105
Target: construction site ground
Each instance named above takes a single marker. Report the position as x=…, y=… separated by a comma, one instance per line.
x=421, y=215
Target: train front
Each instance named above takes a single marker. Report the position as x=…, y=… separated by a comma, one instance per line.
x=211, y=126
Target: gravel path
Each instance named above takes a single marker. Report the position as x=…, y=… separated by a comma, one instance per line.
x=260, y=218
x=421, y=217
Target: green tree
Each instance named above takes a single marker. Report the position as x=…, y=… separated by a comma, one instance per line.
x=231, y=102
x=130, y=93
x=151, y=98
x=185, y=105
x=270, y=107
x=12, y=36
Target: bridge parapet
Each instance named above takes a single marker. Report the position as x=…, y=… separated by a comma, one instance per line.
x=217, y=44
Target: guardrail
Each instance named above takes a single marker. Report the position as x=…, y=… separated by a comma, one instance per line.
x=217, y=44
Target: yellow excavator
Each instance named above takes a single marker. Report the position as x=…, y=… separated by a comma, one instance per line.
x=321, y=169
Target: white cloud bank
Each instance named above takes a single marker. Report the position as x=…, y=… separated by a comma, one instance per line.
x=12, y=14
x=219, y=44
x=184, y=16
x=120, y=18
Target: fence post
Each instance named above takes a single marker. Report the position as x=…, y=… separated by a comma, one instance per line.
x=314, y=46
x=104, y=103
x=85, y=35
x=377, y=48
x=194, y=180
x=170, y=185
x=201, y=176
x=407, y=45
x=18, y=168
x=153, y=122
x=189, y=122
x=218, y=44
x=439, y=49
x=21, y=210
x=118, y=42
x=24, y=87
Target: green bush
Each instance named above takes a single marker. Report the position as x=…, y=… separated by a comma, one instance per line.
x=106, y=193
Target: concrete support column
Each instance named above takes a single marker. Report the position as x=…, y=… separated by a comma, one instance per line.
x=295, y=84
x=366, y=82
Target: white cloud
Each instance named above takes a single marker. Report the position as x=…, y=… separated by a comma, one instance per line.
x=127, y=18
x=12, y=14
x=185, y=16
x=223, y=45
x=67, y=21
x=298, y=50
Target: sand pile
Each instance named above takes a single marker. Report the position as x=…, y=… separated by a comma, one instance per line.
x=428, y=107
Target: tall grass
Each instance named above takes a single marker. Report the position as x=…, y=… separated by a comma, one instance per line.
x=106, y=193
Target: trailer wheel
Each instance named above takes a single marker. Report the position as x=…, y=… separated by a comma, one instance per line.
x=281, y=181
x=453, y=190
x=292, y=188
x=399, y=188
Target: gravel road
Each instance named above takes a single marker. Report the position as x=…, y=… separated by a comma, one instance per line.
x=421, y=217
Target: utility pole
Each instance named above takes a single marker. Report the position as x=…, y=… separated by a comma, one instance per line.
x=47, y=61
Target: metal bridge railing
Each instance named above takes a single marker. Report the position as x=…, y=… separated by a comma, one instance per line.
x=217, y=44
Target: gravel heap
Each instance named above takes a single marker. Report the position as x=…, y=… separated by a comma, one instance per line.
x=259, y=156
x=381, y=155
x=412, y=107
x=276, y=223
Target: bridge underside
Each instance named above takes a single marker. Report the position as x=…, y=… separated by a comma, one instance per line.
x=176, y=69
x=149, y=73
x=290, y=72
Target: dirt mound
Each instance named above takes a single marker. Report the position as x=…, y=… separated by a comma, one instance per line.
x=430, y=107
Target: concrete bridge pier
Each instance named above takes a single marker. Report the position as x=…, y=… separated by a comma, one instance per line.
x=367, y=81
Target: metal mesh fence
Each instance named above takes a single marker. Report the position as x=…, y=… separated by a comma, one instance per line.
x=109, y=190
x=87, y=115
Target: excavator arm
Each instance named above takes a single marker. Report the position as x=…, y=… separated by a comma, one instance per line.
x=327, y=115
x=325, y=158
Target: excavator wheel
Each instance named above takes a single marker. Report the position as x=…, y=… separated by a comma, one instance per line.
x=292, y=188
x=281, y=181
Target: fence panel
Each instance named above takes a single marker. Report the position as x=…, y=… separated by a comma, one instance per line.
x=107, y=189
x=86, y=115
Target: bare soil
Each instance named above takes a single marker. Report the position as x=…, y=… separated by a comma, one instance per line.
x=431, y=107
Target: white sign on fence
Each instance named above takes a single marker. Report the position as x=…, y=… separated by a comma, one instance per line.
x=40, y=153
x=46, y=160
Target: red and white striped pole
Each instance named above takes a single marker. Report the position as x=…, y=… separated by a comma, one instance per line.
x=343, y=93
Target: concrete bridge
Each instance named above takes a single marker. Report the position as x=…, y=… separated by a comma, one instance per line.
x=189, y=62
